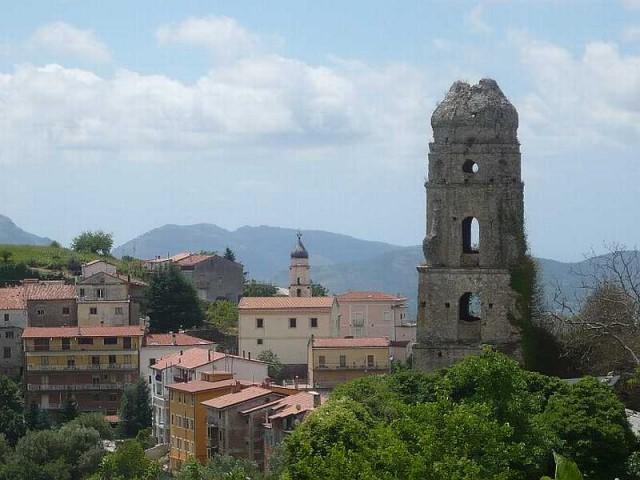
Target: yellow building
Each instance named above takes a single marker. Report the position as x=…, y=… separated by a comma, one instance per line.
x=332, y=361
x=88, y=365
x=188, y=417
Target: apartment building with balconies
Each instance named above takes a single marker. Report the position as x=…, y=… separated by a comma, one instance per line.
x=13, y=320
x=89, y=365
x=332, y=361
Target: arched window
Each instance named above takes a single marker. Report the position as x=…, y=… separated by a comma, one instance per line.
x=469, y=166
x=298, y=292
x=470, y=310
x=470, y=235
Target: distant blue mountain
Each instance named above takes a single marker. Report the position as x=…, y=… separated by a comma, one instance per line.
x=10, y=233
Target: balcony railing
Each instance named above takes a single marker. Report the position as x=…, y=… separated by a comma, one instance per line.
x=352, y=366
x=78, y=386
x=82, y=367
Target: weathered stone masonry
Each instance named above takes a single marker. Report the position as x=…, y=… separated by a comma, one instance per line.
x=475, y=231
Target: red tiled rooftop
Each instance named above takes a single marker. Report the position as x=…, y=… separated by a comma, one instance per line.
x=180, y=339
x=285, y=303
x=173, y=258
x=373, y=296
x=48, y=290
x=12, y=298
x=192, y=260
x=293, y=404
x=191, y=358
x=63, y=332
x=202, y=386
x=234, y=398
x=359, y=342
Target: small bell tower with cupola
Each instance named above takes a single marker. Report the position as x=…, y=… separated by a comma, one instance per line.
x=299, y=276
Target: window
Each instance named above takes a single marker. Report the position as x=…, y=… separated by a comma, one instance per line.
x=259, y=322
x=8, y=334
x=322, y=361
x=152, y=361
x=386, y=316
x=470, y=307
x=343, y=361
x=44, y=361
x=259, y=341
x=40, y=311
x=470, y=235
x=65, y=310
x=81, y=294
x=313, y=322
x=112, y=359
x=118, y=311
x=249, y=355
x=6, y=317
x=469, y=166
x=95, y=360
x=298, y=280
x=110, y=340
x=113, y=397
x=126, y=343
x=357, y=318
x=85, y=341
x=298, y=292
x=99, y=292
x=66, y=344
x=292, y=323
x=93, y=310
x=71, y=362
x=6, y=352
x=370, y=361
x=95, y=380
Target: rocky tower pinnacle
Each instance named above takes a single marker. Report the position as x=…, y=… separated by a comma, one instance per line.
x=474, y=227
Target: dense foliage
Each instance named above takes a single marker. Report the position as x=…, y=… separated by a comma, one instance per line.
x=318, y=290
x=220, y=468
x=128, y=462
x=274, y=365
x=484, y=418
x=172, y=302
x=229, y=254
x=97, y=242
x=135, y=409
x=257, y=289
x=12, y=421
x=223, y=315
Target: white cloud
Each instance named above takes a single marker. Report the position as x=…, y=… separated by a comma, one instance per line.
x=475, y=19
x=631, y=4
x=581, y=100
x=631, y=34
x=223, y=36
x=64, y=39
x=253, y=103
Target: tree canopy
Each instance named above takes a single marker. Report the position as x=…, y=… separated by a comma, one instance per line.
x=484, y=418
x=223, y=315
x=274, y=364
x=135, y=409
x=97, y=241
x=318, y=290
x=12, y=421
x=257, y=289
x=229, y=254
x=172, y=302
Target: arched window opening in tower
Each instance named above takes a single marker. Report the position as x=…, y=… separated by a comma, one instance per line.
x=470, y=235
x=470, y=307
x=469, y=166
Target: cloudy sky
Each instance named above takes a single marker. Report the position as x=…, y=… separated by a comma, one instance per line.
x=129, y=115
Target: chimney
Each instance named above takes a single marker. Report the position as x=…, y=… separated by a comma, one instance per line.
x=316, y=399
x=209, y=354
x=181, y=352
x=295, y=382
x=173, y=338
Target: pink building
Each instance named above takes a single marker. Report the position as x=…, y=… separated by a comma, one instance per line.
x=375, y=314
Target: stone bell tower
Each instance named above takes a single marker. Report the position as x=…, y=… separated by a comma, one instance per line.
x=299, y=275
x=475, y=228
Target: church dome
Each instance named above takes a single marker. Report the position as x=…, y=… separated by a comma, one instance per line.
x=300, y=251
x=475, y=114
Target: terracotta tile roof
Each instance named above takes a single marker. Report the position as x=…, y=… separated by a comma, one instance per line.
x=191, y=358
x=235, y=398
x=358, y=342
x=173, y=258
x=399, y=343
x=180, y=339
x=292, y=405
x=285, y=303
x=192, y=260
x=132, y=280
x=371, y=296
x=63, y=332
x=201, y=386
x=12, y=298
x=49, y=290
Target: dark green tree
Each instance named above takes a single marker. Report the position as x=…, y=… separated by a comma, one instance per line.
x=219, y=468
x=12, y=422
x=274, y=364
x=97, y=242
x=135, y=409
x=37, y=419
x=69, y=410
x=223, y=315
x=257, y=289
x=172, y=302
x=229, y=255
x=93, y=420
x=317, y=290
x=5, y=255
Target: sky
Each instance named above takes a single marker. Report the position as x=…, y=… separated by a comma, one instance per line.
x=125, y=116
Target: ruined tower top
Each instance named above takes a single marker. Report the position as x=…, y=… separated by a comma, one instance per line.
x=475, y=114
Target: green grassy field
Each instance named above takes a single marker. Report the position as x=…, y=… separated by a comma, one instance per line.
x=46, y=257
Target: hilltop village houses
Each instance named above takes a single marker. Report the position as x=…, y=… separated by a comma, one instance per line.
x=85, y=342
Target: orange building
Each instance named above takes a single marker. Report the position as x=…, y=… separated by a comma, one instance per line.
x=188, y=424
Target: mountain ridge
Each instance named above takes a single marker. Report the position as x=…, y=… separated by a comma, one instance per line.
x=11, y=234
